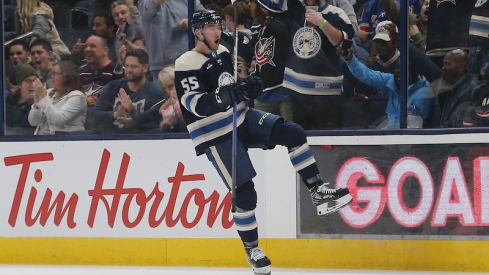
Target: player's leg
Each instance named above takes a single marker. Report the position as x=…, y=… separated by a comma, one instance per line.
x=268, y=130
x=294, y=138
x=247, y=227
x=246, y=199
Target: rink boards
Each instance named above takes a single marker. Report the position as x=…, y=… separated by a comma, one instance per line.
x=156, y=203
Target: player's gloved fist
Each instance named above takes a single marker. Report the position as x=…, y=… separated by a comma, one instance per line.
x=253, y=86
x=228, y=94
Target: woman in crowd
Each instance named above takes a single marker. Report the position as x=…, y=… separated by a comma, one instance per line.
x=37, y=17
x=62, y=108
x=19, y=100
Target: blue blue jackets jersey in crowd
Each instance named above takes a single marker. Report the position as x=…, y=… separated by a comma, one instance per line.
x=313, y=67
x=94, y=81
x=374, y=13
x=197, y=76
x=448, y=25
x=479, y=25
x=419, y=93
x=271, y=57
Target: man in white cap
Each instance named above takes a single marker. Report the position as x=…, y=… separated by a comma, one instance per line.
x=387, y=48
x=384, y=60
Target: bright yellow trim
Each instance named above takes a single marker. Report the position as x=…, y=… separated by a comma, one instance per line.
x=430, y=255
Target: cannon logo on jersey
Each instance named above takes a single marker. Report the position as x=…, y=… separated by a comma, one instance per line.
x=225, y=78
x=246, y=40
x=438, y=2
x=264, y=51
x=306, y=42
x=480, y=3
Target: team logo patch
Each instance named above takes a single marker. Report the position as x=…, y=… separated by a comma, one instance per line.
x=480, y=3
x=264, y=51
x=225, y=78
x=246, y=40
x=306, y=42
x=438, y=2
x=92, y=92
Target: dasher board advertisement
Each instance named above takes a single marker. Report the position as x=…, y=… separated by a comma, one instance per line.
x=115, y=189
x=436, y=191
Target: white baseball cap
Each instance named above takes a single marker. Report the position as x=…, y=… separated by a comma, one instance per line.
x=381, y=32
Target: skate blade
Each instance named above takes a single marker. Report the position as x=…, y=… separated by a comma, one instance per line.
x=262, y=270
x=324, y=210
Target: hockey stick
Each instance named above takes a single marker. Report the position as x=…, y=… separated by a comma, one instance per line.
x=235, y=111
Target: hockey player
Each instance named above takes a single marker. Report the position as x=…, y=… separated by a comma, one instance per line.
x=206, y=90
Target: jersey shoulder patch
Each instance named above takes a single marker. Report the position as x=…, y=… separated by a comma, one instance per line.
x=221, y=49
x=193, y=60
x=190, y=60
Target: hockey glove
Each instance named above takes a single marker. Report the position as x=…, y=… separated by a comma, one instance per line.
x=253, y=86
x=228, y=94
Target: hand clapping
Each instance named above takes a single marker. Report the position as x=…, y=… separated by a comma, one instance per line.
x=39, y=90
x=125, y=100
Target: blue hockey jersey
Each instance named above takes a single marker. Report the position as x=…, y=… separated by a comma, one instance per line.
x=94, y=81
x=271, y=57
x=448, y=26
x=197, y=76
x=313, y=67
x=479, y=25
x=374, y=13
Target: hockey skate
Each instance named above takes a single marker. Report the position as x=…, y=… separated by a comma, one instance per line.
x=258, y=260
x=321, y=196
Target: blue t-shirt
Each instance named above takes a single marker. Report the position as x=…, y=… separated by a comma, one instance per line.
x=102, y=113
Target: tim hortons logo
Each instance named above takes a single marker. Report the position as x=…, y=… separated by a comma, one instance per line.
x=111, y=198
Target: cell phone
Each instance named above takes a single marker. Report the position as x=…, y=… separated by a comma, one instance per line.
x=346, y=46
x=123, y=30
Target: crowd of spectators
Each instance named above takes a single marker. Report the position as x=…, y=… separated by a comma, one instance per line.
x=325, y=64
